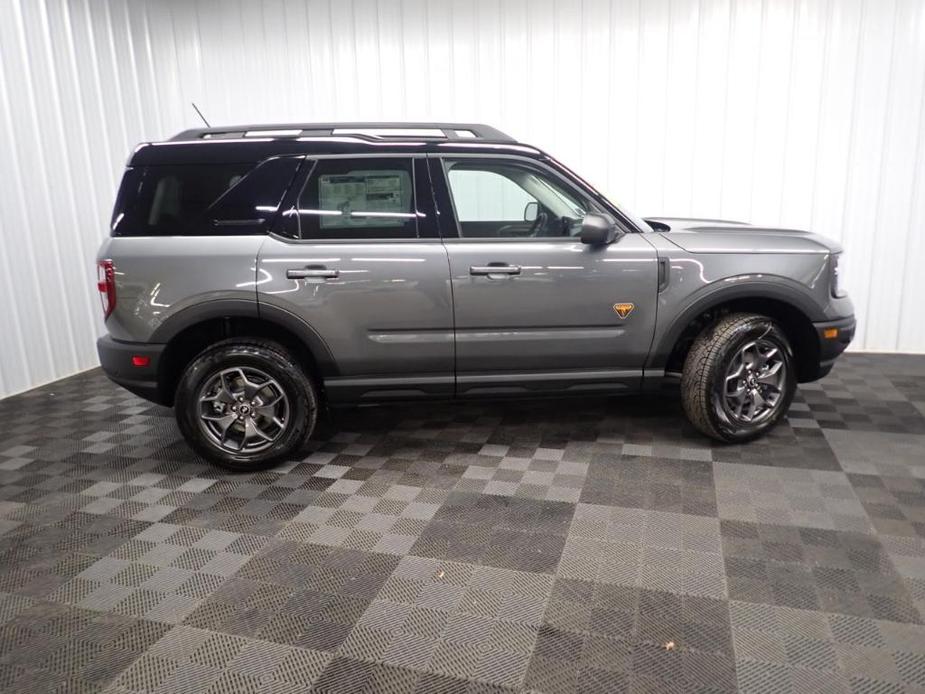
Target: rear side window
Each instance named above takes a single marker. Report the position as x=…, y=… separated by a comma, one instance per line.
x=358, y=199
x=201, y=199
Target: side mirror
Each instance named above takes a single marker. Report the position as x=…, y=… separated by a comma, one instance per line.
x=598, y=229
x=531, y=211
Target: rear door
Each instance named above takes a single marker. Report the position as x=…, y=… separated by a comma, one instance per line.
x=358, y=259
x=535, y=309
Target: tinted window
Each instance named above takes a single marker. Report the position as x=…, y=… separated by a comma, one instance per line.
x=253, y=202
x=201, y=199
x=507, y=199
x=358, y=199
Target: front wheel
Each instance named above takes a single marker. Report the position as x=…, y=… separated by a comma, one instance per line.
x=245, y=404
x=738, y=378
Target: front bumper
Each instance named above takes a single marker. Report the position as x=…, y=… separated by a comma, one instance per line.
x=834, y=337
x=116, y=360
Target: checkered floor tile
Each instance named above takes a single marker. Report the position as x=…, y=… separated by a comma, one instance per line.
x=589, y=545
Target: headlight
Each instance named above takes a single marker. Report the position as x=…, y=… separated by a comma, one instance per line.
x=837, y=290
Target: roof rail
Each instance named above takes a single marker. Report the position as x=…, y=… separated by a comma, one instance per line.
x=370, y=131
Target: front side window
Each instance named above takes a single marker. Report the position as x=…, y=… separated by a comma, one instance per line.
x=358, y=199
x=508, y=199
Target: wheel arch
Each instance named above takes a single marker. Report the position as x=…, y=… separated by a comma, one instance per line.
x=790, y=308
x=190, y=331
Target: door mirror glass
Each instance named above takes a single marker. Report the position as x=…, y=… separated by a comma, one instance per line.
x=531, y=211
x=598, y=229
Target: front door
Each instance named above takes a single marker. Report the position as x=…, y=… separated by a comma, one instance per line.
x=535, y=309
x=359, y=263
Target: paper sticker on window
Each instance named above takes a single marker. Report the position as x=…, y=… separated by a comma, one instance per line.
x=384, y=193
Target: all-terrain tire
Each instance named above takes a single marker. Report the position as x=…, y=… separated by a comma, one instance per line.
x=704, y=374
x=270, y=358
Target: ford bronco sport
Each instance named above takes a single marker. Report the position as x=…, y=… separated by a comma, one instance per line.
x=256, y=274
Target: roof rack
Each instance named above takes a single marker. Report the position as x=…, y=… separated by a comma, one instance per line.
x=370, y=131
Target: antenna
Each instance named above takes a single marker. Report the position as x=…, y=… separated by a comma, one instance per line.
x=200, y=114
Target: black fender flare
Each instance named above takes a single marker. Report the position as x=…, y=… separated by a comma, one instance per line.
x=248, y=308
x=744, y=288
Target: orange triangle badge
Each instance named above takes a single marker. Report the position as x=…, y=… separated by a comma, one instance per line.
x=624, y=309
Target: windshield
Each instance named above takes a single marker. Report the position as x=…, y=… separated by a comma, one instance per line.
x=631, y=216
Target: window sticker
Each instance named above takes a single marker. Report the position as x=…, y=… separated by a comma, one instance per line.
x=384, y=193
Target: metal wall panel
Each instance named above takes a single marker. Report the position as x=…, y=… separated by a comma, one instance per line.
x=807, y=113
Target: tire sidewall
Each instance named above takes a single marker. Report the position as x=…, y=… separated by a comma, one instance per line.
x=298, y=389
x=755, y=328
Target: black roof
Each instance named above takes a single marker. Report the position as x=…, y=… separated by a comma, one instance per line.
x=253, y=142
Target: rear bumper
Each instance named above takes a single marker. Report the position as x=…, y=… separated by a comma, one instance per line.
x=834, y=337
x=116, y=360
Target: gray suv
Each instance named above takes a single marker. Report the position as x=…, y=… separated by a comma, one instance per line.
x=256, y=274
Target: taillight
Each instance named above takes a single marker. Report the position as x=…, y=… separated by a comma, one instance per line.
x=106, y=276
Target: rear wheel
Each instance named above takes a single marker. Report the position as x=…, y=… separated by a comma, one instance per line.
x=738, y=378
x=244, y=404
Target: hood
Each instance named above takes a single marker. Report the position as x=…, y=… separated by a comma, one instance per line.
x=722, y=236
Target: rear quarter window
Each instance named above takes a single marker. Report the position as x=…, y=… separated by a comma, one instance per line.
x=201, y=199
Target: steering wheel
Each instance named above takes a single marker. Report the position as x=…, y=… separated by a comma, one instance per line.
x=559, y=226
x=539, y=222
x=514, y=229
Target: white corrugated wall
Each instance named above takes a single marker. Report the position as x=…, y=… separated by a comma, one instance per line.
x=806, y=113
